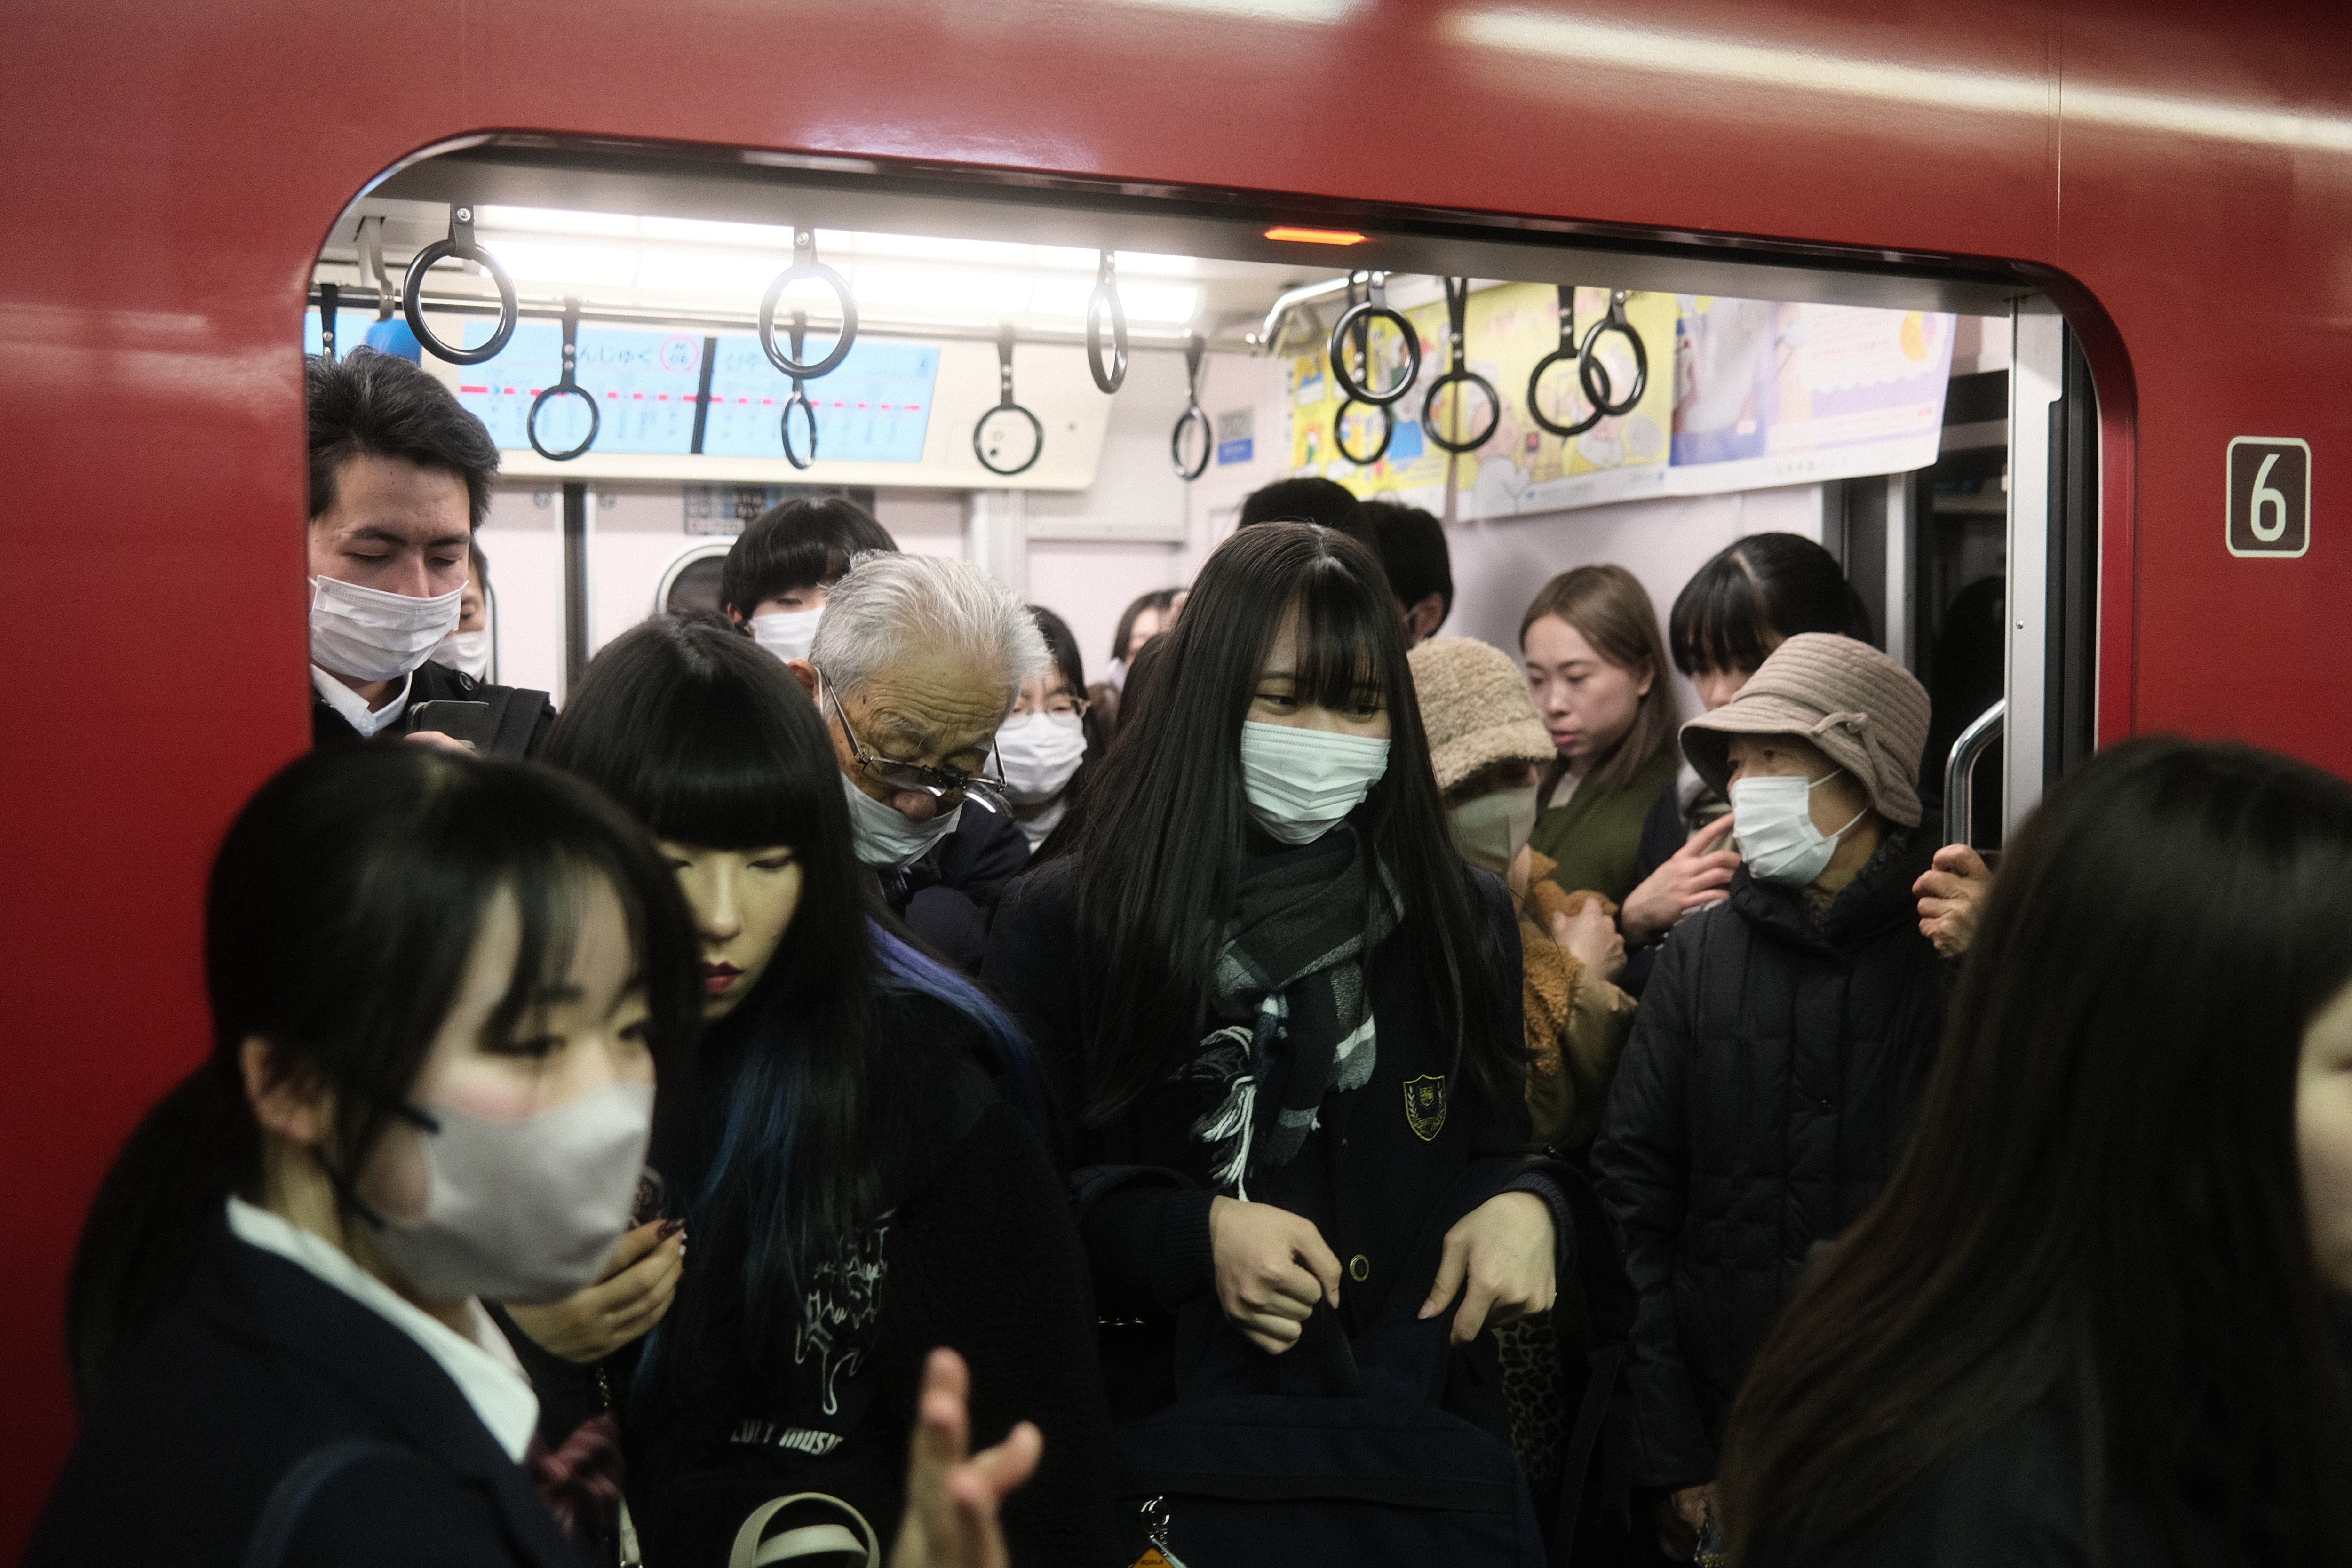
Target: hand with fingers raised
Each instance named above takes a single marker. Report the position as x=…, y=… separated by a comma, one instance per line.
x=1272, y=1267
x=1692, y=878
x=953, y=1499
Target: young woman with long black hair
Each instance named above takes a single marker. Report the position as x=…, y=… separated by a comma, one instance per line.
x=853, y=1178
x=439, y=988
x=1263, y=973
x=2089, y=1319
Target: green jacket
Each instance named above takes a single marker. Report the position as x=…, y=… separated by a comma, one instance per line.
x=1596, y=837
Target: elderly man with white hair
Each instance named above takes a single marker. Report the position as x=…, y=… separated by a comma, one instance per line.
x=916, y=663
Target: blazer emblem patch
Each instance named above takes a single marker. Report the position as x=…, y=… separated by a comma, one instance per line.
x=1424, y=1105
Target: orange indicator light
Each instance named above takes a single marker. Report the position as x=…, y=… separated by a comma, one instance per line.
x=1316, y=235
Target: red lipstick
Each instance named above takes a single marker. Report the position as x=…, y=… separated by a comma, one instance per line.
x=716, y=978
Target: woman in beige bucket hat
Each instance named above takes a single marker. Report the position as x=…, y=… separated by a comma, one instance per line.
x=1781, y=1043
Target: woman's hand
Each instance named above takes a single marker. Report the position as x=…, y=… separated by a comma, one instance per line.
x=1950, y=898
x=1504, y=1249
x=639, y=1281
x=1592, y=937
x=1693, y=877
x=1681, y=1518
x=952, y=1500
x=1272, y=1268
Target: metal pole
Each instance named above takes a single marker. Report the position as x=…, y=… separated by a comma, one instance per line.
x=576, y=582
x=1959, y=774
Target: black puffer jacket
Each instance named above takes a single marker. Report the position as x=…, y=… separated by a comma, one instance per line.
x=1770, y=1085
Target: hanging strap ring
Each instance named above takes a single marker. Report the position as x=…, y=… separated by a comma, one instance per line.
x=331, y=301
x=1359, y=320
x=460, y=246
x=806, y=265
x=799, y=400
x=566, y=384
x=1105, y=298
x=1007, y=405
x=1339, y=427
x=1566, y=353
x=1595, y=376
x=1458, y=374
x=1194, y=417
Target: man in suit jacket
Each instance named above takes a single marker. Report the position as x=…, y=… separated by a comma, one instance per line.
x=400, y=478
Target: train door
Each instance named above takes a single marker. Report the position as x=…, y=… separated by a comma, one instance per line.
x=1074, y=385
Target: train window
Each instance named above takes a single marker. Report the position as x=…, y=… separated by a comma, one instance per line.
x=1075, y=384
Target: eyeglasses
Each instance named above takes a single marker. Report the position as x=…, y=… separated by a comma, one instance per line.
x=1061, y=705
x=941, y=784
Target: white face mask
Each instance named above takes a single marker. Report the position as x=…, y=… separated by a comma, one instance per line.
x=882, y=835
x=370, y=635
x=1772, y=822
x=1039, y=752
x=528, y=1210
x=1491, y=830
x=787, y=634
x=1299, y=783
x=467, y=651
x=1116, y=674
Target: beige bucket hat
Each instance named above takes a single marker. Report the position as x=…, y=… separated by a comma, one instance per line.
x=1475, y=707
x=1861, y=709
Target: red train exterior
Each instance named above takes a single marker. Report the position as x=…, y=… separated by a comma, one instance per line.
x=2178, y=177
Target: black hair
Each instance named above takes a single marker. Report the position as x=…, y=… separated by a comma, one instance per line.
x=373, y=405
x=340, y=918
x=1326, y=501
x=710, y=741
x=2102, y=1211
x=1159, y=599
x=1411, y=543
x=800, y=544
x=1063, y=644
x=1756, y=593
x=1163, y=836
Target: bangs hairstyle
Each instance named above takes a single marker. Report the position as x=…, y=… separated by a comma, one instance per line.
x=800, y=544
x=2102, y=1212
x=341, y=918
x=703, y=736
x=373, y=405
x=1158, y=600
x=1611, y=609
x=1162, y=832
x=1755, y=595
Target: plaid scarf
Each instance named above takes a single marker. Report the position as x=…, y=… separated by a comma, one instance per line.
x=1289, y=986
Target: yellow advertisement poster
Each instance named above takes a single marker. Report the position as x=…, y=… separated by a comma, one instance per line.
x=1509, y=328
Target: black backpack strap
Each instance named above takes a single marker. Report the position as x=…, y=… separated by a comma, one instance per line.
x=288, y=1501
x=513, y=719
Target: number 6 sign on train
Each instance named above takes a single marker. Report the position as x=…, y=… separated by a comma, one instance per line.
x=2270, y=496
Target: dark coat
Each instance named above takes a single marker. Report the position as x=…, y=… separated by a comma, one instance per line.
x=520, y=717
x=259, y=1364
x=1368, y=1177
x=977, y=1251
x=2014, y=1498
x=949, y=896
x=1770, y=1083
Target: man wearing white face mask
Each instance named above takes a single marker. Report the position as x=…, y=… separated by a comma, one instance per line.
x=781, y=569
x=1782, y=1043
x=400, y=478
x=916, y=664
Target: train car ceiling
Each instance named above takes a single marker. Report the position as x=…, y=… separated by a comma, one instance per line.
x=1927, y=418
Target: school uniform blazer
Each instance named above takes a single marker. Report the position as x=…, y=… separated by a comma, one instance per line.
x=257, y=1366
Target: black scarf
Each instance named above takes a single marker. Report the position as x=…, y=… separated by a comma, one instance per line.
x=1290, y=984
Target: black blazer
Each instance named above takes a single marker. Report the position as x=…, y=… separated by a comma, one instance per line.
x=949, y=896
x=257, y=1366
x=520, y=717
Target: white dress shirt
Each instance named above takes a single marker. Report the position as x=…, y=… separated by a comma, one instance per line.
x=354, y=708
x=483, y=1367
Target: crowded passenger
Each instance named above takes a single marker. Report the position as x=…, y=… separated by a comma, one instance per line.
x=399, y=479
x=1598, y=670
x=1488, y=748
x=1781, y=1046
x=780, y=569
x=468, y=650
x=1411, y=543
x=1050, y=738
x=1309, y=499
x=1281, y=1011
x=2097, y=1315
x=916, y=664
x=440, y=990
x=849, y=1169
x=1148, y=617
